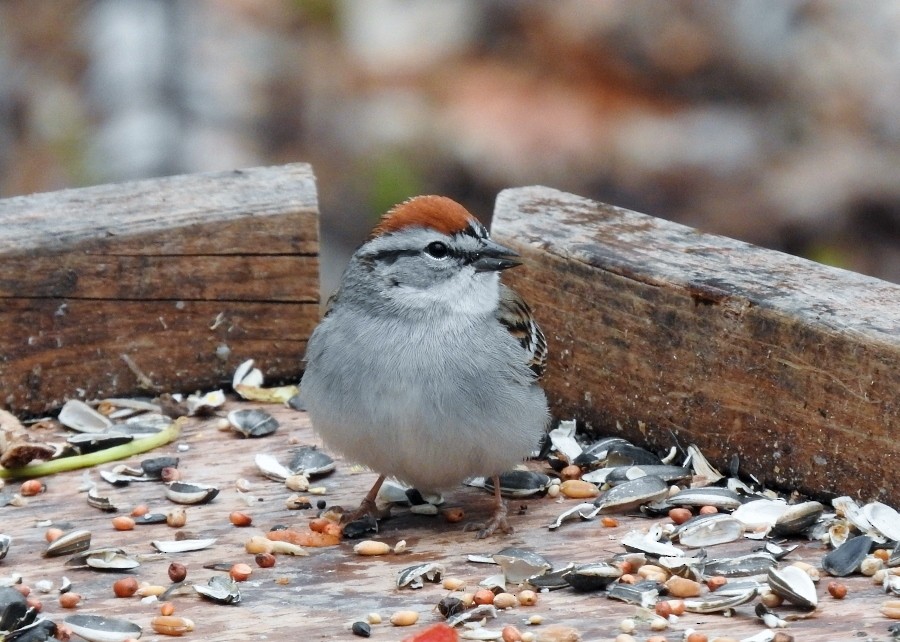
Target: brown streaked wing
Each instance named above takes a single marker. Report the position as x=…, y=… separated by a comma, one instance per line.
x=516, y=316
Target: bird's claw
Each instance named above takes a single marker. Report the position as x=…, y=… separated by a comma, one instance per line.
x=498, y=522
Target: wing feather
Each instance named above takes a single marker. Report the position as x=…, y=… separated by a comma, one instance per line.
x=516, y=316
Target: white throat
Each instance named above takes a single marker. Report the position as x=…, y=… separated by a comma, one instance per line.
x=469, y=293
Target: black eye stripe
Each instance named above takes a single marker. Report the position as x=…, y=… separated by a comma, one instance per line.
x=390, y=256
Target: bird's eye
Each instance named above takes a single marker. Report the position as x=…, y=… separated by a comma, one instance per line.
x=437, y=250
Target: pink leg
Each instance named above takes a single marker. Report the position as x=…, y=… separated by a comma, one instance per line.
x=498, y=519
x=367, y=507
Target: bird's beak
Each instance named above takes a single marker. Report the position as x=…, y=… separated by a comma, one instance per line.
x=494, y=257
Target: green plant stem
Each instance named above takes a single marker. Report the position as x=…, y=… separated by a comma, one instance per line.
x=62, y=464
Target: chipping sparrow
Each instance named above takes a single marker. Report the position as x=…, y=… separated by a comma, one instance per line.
x=425, y=366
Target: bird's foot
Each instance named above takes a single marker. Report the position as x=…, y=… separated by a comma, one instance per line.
x=366, y=509
x=498, y=522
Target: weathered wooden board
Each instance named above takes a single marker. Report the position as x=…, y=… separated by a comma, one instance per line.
x=319, y=596
x=158, y=285
x=670, y=336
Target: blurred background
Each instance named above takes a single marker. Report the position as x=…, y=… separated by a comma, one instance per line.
x=773, y=121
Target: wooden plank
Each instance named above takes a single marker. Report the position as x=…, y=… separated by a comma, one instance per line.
x=322, y=594
x=186, y=276
x=670, y=336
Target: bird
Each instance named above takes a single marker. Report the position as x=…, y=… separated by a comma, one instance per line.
x=425, y=368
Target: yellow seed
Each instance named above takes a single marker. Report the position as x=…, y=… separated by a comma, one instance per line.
x=171, y=625
x=150, y=589
x=373, y=618
x=286, y=548
x=318, y=490
x=578, y=489
x=527, y=597
x=560, y=633
x=504, y=600
x=653, y=573
x=468, y=599
x=176, y=518
x=870, y=565
x=682, y=587
x=527, y=636
x=297, y=483
x=534, y=620
x=371, y=547
x=809, y=569
x=658, y=624
x=891, y=609
x=404, y=618
x=258, y=544
x=453, y=584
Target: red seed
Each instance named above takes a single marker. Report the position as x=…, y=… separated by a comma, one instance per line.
x=716, y=582
x=454, y=514
x=170, y=474
x=680, y=515
x=32, y=487
x=484, y=596
x=240, y=572
x=240, y=519
x=126, y=587
x=663, y=608
x=53, y=534
x=177, y=572
x=440, y=632
x=837, y=590
x=570, y=472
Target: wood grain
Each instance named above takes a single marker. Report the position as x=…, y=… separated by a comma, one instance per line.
x=187, y=276
x=319, y=596
x=670, y=336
